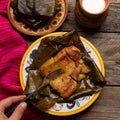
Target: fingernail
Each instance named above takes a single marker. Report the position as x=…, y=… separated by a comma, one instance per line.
x=24, y=105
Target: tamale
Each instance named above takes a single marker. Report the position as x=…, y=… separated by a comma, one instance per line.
x=34, y=13
x=50, y=46
x=25, y=7
x=45, y=7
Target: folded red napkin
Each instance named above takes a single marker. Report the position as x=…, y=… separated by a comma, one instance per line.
x=12, y=48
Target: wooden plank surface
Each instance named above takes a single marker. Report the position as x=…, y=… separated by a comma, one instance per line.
x=108, y=44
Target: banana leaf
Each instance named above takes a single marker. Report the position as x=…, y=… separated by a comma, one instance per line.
x=48, y=48
x=33, y=82
x=34, y=13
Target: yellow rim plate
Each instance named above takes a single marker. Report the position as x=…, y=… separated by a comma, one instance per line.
x=80, y=104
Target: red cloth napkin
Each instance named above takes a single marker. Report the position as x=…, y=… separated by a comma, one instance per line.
x=12, y=48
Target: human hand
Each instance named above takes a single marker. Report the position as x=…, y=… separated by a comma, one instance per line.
x=17, y=114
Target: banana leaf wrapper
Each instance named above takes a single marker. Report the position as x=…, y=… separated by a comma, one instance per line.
x=48, y=48
x=34, y=13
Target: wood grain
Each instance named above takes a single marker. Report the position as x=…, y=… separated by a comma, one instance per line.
x=108, y=44
x=112, y=72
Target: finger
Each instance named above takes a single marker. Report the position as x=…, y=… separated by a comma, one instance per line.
x=2, y=116
x=5, y=103
x=17, y=114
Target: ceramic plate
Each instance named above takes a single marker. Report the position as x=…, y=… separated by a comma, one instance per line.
x=52, y=25
x=62, y=109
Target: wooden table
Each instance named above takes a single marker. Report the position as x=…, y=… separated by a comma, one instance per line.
x=107, y=40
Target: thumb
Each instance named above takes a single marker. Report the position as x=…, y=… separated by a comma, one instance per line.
x=17, y=114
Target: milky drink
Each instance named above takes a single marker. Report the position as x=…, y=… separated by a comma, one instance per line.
x=93, y=6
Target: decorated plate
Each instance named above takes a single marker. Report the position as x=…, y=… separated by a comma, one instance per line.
x=63, y=109
x=53, y=24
